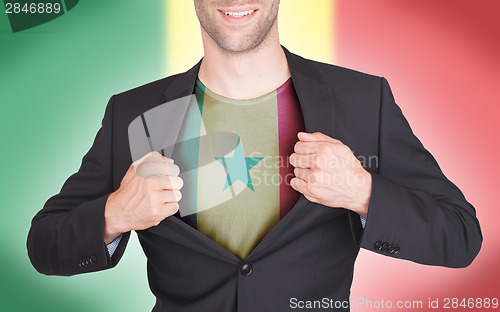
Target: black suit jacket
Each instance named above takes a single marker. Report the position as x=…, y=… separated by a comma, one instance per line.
x=415, y=212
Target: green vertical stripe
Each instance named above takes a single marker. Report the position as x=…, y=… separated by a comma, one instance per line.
x=186, y=157
x=55, y=81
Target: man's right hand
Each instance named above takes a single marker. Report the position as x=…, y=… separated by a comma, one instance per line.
x=148, y=193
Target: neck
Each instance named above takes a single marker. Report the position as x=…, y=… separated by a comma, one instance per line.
x=244, y=75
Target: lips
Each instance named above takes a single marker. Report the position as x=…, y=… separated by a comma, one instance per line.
x=237, y=15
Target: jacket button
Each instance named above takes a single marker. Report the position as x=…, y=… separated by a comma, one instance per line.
x=93, y=260
x=378, y=245
x=246, y=269
x=384, y=246
x=396, y=249
x=390, y=249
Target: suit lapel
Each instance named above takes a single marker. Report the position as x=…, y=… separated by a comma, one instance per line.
x=316, y=98
x=182, y=84
x=317, y=105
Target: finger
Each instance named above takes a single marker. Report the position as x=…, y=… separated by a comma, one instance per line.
x=172, y=183
x=157, y=157
x=157, y=169
x=165, y=183
x=171, y=196
x=302, y=173
x=308, y=147
x=171, y=169
x=311, y=176
x=302, y=161
x=132, y=170
x=153, y=154
x=301, y=186
x=302, y=147
x=170, y=208
x=150, y=170
x=316, y=137
x=298, y=184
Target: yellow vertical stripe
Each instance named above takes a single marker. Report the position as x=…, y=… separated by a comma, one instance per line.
x=183, y=46
x=306, y=28
x=247, y=214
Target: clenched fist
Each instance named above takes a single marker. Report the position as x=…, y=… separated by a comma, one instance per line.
x=327, y=172
x=148, y=193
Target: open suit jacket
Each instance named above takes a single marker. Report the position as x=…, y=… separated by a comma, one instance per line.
x=415, y=212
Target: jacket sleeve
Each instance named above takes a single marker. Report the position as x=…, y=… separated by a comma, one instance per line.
x=67, y=236
x=415, y=212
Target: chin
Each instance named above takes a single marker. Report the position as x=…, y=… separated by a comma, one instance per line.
x=238, y=45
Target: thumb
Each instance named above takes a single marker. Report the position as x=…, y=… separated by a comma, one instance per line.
x=152, y=156
x=316, y=137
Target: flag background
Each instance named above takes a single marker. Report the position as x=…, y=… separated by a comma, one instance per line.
x=440, y=57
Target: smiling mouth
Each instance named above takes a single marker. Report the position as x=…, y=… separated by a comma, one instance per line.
x=239, y=14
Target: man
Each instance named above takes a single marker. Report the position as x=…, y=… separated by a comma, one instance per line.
x=267, y=246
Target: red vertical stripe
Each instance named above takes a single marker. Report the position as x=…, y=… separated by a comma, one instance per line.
x=290, y=122
x=442, y=61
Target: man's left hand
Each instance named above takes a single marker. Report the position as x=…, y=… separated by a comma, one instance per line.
x=327, y=172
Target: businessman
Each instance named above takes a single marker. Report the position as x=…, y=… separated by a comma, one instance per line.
x=264, y=243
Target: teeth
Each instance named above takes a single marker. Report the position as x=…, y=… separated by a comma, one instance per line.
x=239, y=14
